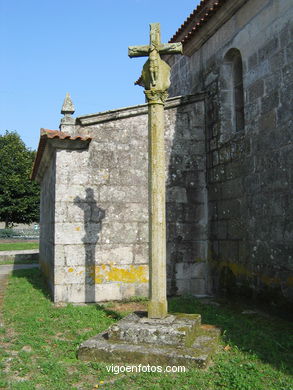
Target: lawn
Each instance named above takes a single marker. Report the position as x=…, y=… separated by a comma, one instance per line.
x=15, y=246
x=40, y=340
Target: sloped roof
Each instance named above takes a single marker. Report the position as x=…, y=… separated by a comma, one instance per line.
x=47, y=135
x=56, y=134
x=203, y=12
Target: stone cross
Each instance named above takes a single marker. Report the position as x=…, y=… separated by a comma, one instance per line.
x=156, y=80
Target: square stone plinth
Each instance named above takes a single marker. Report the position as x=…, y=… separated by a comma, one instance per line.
x=178, y=339
x=137, y=328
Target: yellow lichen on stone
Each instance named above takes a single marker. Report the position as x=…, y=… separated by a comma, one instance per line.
x=131, y=275
x=111, y=273
x=239, y=269
x=269, y=280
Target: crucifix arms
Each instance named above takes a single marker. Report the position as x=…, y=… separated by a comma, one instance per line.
x=156, y=72
x=155, y=44
x=144, y=51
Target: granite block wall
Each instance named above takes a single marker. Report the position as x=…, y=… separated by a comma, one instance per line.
x=186, y=199
x=101, y=205
x=47, y=220
x=249, y=171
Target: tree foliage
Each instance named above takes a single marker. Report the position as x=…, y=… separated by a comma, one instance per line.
x=19, y=196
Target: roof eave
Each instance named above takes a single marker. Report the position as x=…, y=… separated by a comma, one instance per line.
x=49, y=141
x=193, y=35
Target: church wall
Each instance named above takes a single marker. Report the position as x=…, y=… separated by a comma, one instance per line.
x=101, y=223
x=186, y=208
x=249, y=171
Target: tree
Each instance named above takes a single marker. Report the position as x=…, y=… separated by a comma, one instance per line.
x=19, y=196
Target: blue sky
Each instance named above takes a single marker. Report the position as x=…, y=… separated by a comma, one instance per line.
x=50, y=47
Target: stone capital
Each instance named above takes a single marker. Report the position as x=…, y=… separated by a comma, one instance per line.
x=155, y=96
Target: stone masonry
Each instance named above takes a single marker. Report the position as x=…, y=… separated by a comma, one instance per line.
x=250, y=170
x=229, y=171
x=94, y=224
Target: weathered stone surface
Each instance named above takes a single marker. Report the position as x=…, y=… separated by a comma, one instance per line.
x=195, y=286
x=238, y=184
x=170, y=330
x=174, y=340
x=193, y=270
x=246, y=176
x=47, y=202
x=68, y=107
x=80, y=293
x=67, y=122
x=156, y=80
x=101, y=209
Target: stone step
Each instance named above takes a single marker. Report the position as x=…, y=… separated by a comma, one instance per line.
x=125, y=346
x=137, y=328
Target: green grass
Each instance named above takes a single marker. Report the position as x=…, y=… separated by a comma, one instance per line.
x=40, y=343
x=15, y=246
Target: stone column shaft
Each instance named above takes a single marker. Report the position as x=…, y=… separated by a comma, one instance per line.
x=155, y=79
x=157, y=212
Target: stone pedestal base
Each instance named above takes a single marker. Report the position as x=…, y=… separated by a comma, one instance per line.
x=178, y=339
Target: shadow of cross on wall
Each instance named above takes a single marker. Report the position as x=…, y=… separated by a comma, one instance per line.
x=93, y=216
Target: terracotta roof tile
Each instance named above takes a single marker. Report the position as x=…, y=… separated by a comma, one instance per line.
x=56, y=134
x=196, y=20
x=52, y=134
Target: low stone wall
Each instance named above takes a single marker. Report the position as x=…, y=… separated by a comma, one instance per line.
x=30, y=254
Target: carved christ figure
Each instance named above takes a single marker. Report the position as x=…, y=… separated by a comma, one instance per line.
x=154, y=59
x=156, y=72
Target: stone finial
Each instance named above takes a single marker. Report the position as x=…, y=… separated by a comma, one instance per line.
x=67, y=122
x=68, y=106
